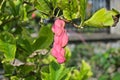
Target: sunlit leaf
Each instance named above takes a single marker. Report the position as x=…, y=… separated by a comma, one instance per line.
x=7, y=45
x=83, y=4
x=71, y=10
x=102, y=18
x=43, y=6
x=14, y=78
x=57, y=71
x=8, y=50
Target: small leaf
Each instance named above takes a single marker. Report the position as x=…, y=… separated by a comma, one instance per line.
x=83, y=4
x=67, y=53
x=102, y=18
x=86, y=67
x=84, y=73
x=14, y=78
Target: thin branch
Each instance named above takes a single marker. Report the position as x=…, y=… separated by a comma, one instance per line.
x=27, y=3
x=31, y=11
x=68, y=21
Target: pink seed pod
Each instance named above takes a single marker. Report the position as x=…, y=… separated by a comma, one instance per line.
x=60, y=41
x=64, y=39
x=61, y=60
x=58, y=27
x=57, y=51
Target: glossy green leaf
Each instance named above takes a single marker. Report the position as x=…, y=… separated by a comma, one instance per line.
x=43, y=6
x=8, y=45
x=62, y=4
x=8, y=49
x=102, y=18
x=57, y=71
x=45, y=38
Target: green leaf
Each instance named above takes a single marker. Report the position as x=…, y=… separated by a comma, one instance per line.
x=70, y=10
x=84, y=73
x=114, y=12
x=25, y=69
x=57, y=71
x=102, y=18
x=85, y=70
x=8, y=49
x=116, y=76
x=83, y=4
x=26, y=35
x=8, y=68
x=25, y=14
x=45, y=38
x=14, y=7
x=69, y=15
x=7, y=45
x=14, y=78
x=25, y=45
x=62, y=4
x=54, y=3
x=43, y=6
x=67, y=53
x=24, y=42
x=7, y=37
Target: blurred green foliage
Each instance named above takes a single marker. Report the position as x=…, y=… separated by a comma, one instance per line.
x=105, y=66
